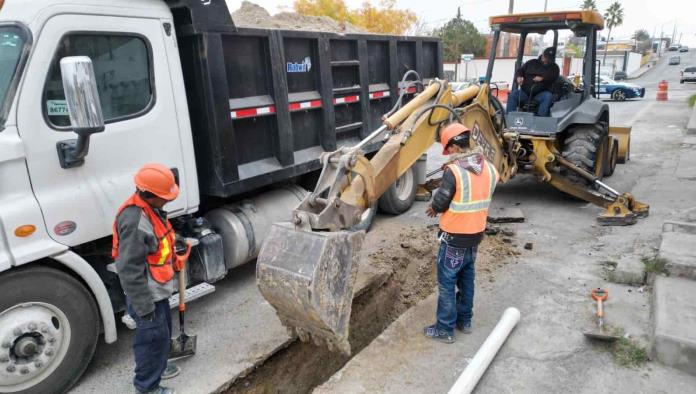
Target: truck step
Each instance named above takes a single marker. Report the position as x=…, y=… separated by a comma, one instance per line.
x=192, y=293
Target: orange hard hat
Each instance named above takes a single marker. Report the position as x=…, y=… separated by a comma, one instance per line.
x=452, y=130
x=158, y=180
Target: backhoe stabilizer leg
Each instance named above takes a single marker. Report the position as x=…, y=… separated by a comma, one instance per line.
x=308, y=277
x=625, y=210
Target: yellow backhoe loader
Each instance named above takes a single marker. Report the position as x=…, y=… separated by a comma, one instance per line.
x=306, y=268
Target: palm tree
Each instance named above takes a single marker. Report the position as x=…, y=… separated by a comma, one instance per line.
x=589, y=5
x=613, y=18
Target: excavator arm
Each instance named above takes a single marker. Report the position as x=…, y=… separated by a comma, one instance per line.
x=306, y=268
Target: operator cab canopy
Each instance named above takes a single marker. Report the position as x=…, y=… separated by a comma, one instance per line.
x=579, y=22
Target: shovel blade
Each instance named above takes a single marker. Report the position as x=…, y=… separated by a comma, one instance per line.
x=308, y=277
x=182, y=346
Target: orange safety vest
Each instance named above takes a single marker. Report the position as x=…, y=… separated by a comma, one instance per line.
x=159, y=262
x=468, y=209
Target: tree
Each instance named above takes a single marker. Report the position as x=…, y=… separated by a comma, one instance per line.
x=589, y=5
x=384, y=18
x=613, y=17
x=641, y=40
x=460, y=36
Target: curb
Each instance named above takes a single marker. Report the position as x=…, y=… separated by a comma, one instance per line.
x=691, y=126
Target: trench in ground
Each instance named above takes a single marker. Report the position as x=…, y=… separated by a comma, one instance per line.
x=408, y=258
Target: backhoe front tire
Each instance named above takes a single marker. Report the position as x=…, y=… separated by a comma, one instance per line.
x=612, y=159
x=400, y=196
x=581, y=148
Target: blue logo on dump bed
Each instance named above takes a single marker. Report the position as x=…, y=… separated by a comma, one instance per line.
x=303, y=67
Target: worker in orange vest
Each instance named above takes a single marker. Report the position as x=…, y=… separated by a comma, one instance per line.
x=463, y=199
x=143, y=250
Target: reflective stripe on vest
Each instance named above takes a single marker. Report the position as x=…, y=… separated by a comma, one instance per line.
x=468, y=209
x=159, y=262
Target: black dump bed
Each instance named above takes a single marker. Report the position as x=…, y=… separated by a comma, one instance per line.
x=264, y=104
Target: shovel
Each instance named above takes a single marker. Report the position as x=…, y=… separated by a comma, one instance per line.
x=183, y=345
x=600, y=295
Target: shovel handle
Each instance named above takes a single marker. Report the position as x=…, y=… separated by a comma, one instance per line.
x=182, y=288
x=600, y=308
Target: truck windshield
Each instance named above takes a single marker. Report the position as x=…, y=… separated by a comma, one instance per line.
x=12, y=43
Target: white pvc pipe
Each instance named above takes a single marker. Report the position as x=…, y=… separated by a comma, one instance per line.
x=478, y=365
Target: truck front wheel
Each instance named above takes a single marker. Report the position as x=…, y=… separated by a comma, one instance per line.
x=48, y=330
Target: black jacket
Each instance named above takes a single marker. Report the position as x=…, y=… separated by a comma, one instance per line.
x=441, y=202
x=533, y=68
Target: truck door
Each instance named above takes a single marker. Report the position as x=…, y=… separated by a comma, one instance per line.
x=135, y=89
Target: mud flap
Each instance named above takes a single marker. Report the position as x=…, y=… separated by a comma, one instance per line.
x=308, y=277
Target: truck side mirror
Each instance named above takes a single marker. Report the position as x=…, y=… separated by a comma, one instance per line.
x=84, y=107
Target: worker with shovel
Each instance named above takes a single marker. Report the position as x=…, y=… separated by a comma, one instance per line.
x=463, y=198
x=143, y=249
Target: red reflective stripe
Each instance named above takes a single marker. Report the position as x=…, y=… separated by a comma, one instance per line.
x=249, y=112
x=346, y=99
x=411, y=89
x=304, y=105
x=376, y=95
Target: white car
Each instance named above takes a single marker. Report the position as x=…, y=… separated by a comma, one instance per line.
x=688, y=75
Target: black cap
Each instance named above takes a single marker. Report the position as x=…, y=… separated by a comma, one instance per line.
x=550, y=52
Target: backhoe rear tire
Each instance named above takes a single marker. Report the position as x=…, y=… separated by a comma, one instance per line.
x=581, y=148
x=400, y=196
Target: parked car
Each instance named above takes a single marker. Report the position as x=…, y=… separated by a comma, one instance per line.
x=684, y=49
x=674, y=60
x=673, y=48
x=619, y=75
x=618, y=91
x=688, y=75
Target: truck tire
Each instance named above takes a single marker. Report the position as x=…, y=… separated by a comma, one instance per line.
x=400, y=196
x=581, y=148
x=48, y=330
x=367, y=218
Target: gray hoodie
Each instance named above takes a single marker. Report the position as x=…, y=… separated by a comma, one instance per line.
x=137, y=240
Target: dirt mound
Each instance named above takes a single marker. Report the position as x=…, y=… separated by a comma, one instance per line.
x=253, y=15
x=412, y=255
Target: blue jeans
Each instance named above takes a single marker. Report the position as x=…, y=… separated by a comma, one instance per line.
x=455, y=266
x=544, y=99
x=151, y=346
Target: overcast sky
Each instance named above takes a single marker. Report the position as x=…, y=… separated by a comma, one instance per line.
x=649, y=15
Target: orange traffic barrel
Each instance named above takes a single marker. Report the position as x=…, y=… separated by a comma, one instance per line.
x=662, y=91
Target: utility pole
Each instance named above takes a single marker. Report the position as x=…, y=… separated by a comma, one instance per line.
x=674, y=33
x=546, y=3
x=511, y=6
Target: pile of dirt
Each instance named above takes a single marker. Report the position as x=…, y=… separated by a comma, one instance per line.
x=253, y=15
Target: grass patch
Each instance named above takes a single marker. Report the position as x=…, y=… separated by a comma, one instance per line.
x=625, y=351
x=654, y=264
x=692, y=100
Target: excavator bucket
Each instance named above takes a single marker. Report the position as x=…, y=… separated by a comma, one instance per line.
x=308, y=277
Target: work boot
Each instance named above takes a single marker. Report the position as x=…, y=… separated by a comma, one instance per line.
x=439, y=335
x=158, y=390
x=464, y=328
x=171, y=371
